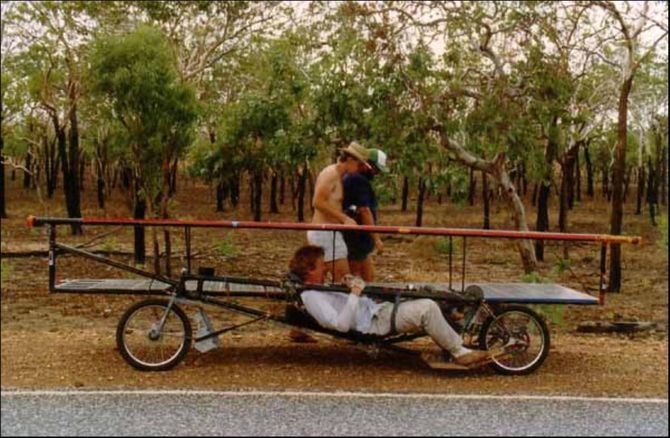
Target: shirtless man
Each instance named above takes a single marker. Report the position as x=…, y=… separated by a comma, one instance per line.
x=327, y=202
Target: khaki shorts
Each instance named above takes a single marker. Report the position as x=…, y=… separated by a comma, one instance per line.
x=325, y=240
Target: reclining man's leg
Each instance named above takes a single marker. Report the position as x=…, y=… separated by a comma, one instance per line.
x=425, y=314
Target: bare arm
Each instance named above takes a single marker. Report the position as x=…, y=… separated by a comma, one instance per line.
x=321, y=196
x=366, y=219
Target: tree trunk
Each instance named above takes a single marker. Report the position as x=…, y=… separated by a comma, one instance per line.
x=234, y=187
x=486, y=198
x=115, y=177
x=139, y=209
x=74, y=208
x=605, y=188
x=616, y=218
x=578, y=179
x=640, y=189
x=282, y=186
x=652, y=192
x=37, y=174
x=293, y=185
x=51, y=168
x=258, y=193
x=497, y=169
x=26, y=172
x=626, y=184
x=173, y=178
x=101, y=192
x=3, y=210
x=471, y=188
x=589, y=173
x=535, y=192
x=419, y=201
x=564, y=202
x=542, y=223
x=302, y=182
x=82, y=170
x=100, y=167
x=570, y=184
x=157, y=258
x=100, y=162
x=273, y=193
x=168, y=252
x=66, y=166
x=221, y=192
x=567, y=185
x=405, y=193
x=310, y=179
x=664, y=175
x=252, y=193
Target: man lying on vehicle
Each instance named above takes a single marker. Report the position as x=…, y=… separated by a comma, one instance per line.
x=344, y=312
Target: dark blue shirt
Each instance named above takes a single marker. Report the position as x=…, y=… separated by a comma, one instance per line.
x=358, y=191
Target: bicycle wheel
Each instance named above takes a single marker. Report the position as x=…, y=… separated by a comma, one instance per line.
x=522, y=333
x=147, y=346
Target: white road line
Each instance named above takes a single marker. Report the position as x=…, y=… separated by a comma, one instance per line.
x=15, y=393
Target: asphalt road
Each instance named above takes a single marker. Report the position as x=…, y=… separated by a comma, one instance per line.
x=266, y=413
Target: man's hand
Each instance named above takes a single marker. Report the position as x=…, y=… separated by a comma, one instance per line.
x=349, y=221
x=354, y=283
x=379, y=245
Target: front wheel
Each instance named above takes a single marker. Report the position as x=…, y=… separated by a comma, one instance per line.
x=522, y=333
x=151, y=338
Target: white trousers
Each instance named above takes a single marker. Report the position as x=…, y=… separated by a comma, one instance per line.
x=415, y=315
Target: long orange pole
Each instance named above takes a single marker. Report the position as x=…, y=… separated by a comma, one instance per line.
x=33, y=221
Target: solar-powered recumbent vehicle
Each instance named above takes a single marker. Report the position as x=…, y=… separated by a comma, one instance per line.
x=156, y=334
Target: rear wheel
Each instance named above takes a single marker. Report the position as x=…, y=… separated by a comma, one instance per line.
x=148, y=345
x=522, y=333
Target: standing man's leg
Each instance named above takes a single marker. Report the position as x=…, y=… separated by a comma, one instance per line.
x=363, y=268
x=341, y=269
x=335, y=252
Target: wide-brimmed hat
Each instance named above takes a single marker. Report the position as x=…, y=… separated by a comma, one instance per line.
x=377, y=158
x=357, y=151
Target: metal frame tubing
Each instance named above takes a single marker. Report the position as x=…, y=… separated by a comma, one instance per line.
x=39, y=221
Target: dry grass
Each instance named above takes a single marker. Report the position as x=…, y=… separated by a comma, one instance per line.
x=67, y=340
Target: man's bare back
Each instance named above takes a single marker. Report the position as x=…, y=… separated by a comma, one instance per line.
x=328, y=190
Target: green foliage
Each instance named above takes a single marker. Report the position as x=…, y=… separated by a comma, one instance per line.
x=136, y=73
x=444, y=246
x=108, y=244
x=552, y=312
x=561, y=265
x=533, y=277
x=6, y=268
x=385, y=188
x=225, y=247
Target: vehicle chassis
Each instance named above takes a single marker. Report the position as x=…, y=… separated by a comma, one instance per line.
x=486, y=315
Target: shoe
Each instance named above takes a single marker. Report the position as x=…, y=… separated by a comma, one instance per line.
x=472, y=357
x=300, y=337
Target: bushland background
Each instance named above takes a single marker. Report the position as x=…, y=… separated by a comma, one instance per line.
x=540, y=116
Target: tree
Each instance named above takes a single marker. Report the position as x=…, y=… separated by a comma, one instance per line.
x=630, y=21
x=52, y=35
x=136, y=72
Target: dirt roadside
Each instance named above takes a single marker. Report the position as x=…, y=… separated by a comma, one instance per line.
x=67, y=341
